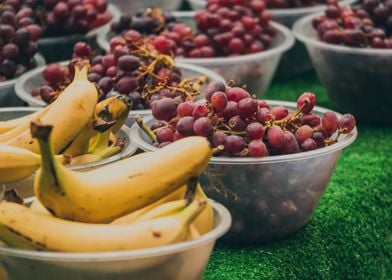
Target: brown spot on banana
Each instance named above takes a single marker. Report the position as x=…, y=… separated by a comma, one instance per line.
x=135, y=175
x=156, y=234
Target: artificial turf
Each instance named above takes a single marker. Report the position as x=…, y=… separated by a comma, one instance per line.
x=350, y=234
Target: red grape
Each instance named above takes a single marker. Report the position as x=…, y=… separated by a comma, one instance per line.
x=291, y=145
x=213, y=87
x=164, y=109
x=165, y=134
x=329, y=122
x=218, y=138
x=185, y=125
x=236, y=123
x=230, y=110
x=55, y=73
x=304, y=132
x=128, y=63
x=255, y=131
x=346, y=123
x=257, y=148
x=185, y=109
x=308, y=97
x=236, y=94
x=234, y=144
x=276, y=137
x=247, y=107
x=279, y=112
x=308, y=145
x=82, y=49
x=200, y=110
x=219, y=101
x=202, y=126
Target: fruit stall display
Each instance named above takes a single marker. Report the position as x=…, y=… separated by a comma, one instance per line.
x=126, y=164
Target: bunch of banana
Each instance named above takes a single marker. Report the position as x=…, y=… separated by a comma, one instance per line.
x=106, y=193
x=23, y=227
x=95, y=141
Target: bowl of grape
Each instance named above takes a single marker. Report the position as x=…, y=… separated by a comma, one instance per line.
x=273, y=159
x=57, y=25
x=351, y=50
x=18, y=52
x=245, y=48
x=138, y=73
x=296, y=61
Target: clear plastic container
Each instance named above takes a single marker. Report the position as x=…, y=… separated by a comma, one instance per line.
x=270, y=197
x=25, y=186
x=295, y=61
x=131, y=6
x=8, y=97
x=27, y=82
x=184, y=260
x=254, y=70
x=61, y=48
x=357, y=80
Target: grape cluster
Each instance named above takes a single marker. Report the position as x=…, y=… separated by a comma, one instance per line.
x=130, y=69
x=238, y=124
x=150, y=21
x=368, y=25
x=225, y=28
x=18, y=36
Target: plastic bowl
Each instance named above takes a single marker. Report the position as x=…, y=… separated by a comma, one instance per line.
x=27, y=82
x=131, y=6
x=271, y=197
x=357, y=80
x=25, y=186
x=184, y=260
x=254, y=70
x=295, y=61
x=61, y=48
x=7, y=93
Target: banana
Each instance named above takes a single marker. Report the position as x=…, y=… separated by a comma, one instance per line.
x=193, y=232
x=11, y=124
x=22, y=227
x=110, y=114
x=17, y=164
x=68, y=114
x=158, y=211
x=23, y=125
x=97, y=156
x=114, y=190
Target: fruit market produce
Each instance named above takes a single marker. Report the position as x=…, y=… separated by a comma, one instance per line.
x=132, y=68
x=106, y=193
x=85, y=135
x=367, y=25
x=237, y=124
x=223, y=29
x=284, y=4
x=18, y=35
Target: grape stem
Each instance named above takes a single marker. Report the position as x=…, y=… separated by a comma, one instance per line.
x=147, y=130
x=291, y=117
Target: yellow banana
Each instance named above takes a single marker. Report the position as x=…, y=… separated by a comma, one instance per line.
x=68, y=114
x=158, y=211
x=21, y=227
x=11, y=124
x=193, y=232
x=23, y=125
x=97, y=156
x=17, y=164
x=110, y=113
x=114, y=190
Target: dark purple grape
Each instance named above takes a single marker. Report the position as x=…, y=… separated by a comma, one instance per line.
x=185, y=125
x=234, y=144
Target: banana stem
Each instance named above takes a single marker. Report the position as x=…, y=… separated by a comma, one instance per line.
x=148, y=131
x=13, y=196
x=48, y=160
x=191, y=189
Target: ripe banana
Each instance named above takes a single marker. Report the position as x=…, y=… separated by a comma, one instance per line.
x=158, y=211
x=17, y=164
x=21, y=227
x=11, y=124
x=114, y=190
x=68, y=114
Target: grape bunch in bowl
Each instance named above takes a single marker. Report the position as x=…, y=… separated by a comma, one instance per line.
x=266, y=154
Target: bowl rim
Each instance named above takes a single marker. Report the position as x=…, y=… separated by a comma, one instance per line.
x=342, y=143
x=27, y=97
x=287, y=44
x=298, y=31
x=220, y=229
x=39, y=59
x=125, y=152
x=290, y=11
x=112, y=9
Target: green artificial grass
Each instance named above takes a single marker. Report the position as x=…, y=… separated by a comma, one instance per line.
x=350, y=234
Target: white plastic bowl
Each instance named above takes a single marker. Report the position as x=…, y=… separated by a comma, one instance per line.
x=25, y=186
x=254, y=70
x=28, y=81
x=180, y=261
x=257, y=190
x=61, y=48
x=132, y=6
x=357, y=80
x=8, y=97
